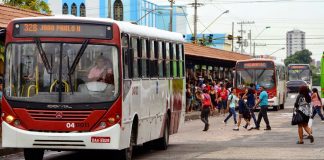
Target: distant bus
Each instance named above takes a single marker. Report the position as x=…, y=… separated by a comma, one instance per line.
x=262, y=72
x=57, y=97
x=298, y=72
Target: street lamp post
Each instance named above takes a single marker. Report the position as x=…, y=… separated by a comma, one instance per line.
x=151, y=12
x=277, y=51
x=267, y=27
x=227, y=11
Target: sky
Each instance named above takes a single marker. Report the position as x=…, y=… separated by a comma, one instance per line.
x=280, y=15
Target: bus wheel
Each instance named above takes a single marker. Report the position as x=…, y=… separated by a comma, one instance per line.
x=33, y=154
x=127, y=154
x=163, y=142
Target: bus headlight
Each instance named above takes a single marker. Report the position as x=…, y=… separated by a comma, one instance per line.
x=102, y=125
x=9, y=119
x=111, y=120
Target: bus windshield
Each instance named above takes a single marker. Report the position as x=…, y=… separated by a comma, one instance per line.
x=61, y=72
x=299, y=74
x=260, y=77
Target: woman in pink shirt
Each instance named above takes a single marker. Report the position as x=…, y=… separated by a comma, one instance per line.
x=317, y=104
x=100, y=72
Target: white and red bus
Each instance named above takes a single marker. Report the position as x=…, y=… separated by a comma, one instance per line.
x=262, y=72
x=52, y=101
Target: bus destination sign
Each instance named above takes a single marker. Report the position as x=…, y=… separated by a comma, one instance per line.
x=251, y=65
x=298, y=67
x=68, y=30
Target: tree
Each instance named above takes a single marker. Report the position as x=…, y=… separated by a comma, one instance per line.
x=300, y=57
x=35, y=5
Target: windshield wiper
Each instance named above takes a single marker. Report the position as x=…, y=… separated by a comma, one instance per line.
x=69, y=69
x=78, y=57
x=43, y=56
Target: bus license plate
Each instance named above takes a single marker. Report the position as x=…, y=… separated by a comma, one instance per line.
x=100, y=139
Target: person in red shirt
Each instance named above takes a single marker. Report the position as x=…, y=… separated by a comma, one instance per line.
x=222, y=97
x=206, y=107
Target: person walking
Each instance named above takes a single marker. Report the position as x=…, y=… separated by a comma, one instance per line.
x=302, y=107
x=317, y=104
x=188, y=98
x=243, y=112
x=232, y=98
x=250, y=96
x=263, y=103
x=206, y=106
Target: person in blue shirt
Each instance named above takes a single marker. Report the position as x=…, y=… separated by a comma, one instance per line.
x=263, y=103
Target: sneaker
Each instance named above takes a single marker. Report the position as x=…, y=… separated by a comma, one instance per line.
x=268, y=129
x=256, y=128
x=225, y=122
x=245, y=126
x=249, y=128
x=236, y=129
x=311, y=138
x=322, y=121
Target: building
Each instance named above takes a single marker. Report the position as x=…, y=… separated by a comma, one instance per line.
x=214, y=40
x=295, y=41
x=143, y=12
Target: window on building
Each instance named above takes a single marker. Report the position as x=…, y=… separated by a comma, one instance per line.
x=82, y=10
x=65, y=9
x=118, y=10
x=74, y=9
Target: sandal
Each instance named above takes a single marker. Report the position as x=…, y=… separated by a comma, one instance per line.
x=311, y=138
x=299, y=142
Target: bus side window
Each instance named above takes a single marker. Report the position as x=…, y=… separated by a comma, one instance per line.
x=160, y=59
x=180, y=60
x=154, y=53
x=143, y=70
x=126, y=56
x=135, y=59
x=172, y=73
x=163, y=60
x=167, y=60
x=174, y=61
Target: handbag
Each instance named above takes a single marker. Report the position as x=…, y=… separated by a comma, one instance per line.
x=296, y=118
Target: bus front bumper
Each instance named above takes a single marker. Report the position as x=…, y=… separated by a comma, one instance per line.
x=108, y=138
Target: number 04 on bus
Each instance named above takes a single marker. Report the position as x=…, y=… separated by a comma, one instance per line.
x=81, y=83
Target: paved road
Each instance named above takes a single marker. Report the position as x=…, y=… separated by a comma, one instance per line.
x=221, y=142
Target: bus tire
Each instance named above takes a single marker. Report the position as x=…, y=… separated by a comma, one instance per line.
x=33, y=154
x=163, y=142
x=282, y=106
x=127, y=153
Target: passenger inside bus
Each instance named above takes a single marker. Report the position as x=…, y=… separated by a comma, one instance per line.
x=101, y=71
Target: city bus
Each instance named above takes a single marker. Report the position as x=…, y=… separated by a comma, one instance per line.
x=300, y=72
x=262, y=72
x=88, y=83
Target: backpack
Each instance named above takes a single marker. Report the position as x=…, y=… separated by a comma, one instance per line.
x=304, y=107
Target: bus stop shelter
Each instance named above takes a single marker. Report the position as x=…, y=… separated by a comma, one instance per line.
x=210, y=62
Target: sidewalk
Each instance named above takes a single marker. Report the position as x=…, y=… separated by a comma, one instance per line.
x=5, y=151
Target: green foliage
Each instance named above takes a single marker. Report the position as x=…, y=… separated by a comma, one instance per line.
x=35, y=5
x=316, y=76
x=300, y=57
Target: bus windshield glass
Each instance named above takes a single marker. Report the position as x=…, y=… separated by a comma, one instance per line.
x=260, y=77
x=299, y=74
x=61, y=72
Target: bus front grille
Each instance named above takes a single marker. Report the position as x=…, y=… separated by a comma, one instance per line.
x=59, y=115
x=59, y=143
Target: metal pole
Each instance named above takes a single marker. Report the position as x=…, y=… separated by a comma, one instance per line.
x=250, y=42
x=195, y=20
x=233, y=36
x=254, y=49
x=109, y=8
x=171, y=14
x=241, y=38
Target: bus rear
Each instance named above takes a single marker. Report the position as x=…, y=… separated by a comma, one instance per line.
x=260, y=73
x=50, y=100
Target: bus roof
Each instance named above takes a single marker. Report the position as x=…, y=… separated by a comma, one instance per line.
x=127, y=27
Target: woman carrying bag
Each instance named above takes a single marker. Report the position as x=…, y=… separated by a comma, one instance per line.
x=302, y=113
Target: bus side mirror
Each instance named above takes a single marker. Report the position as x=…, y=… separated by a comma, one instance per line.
x=2, y=35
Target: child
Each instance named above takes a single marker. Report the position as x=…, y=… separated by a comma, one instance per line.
x=243, y=113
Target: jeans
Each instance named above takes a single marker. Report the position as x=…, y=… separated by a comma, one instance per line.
x=231, y=112
x=253, y=115
x=204, y=115
x=263, y=113
x=318, y=111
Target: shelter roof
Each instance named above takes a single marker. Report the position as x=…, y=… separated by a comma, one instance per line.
x=213, y=53
x=7, y=13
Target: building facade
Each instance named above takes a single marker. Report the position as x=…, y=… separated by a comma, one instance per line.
x=295, y=41
x=143, y=12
